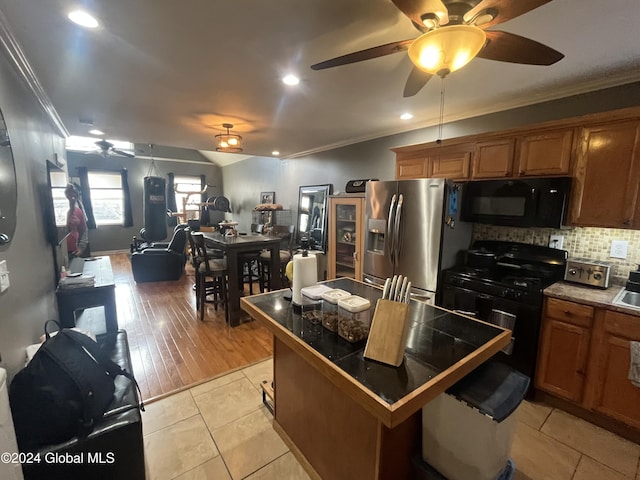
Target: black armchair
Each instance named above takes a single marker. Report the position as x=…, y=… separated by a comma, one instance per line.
x=161, y=264
x=139, y=244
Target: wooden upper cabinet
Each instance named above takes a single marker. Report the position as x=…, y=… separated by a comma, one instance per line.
x=546, y=153
x=411, y=168
x=436, y=162
x=450, y=165
x=607, y=176
x=493, y=159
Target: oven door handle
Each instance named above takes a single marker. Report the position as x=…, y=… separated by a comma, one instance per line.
x=484, y=296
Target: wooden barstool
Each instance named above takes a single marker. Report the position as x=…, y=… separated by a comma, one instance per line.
x=211, y=278
x=264, y=260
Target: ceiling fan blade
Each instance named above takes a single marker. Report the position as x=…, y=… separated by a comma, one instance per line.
x=504, y=10
x=123, y=153
x=374, y=52
x=508, y=47
x=416, y=80
x=415, y=9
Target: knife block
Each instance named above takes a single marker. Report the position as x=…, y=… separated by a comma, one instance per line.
x=388, y=333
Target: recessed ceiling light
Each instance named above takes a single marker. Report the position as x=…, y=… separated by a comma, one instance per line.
x=275, y=153
x=96, y=132
x=83, y=19
x=406, y=116
x=290, y=80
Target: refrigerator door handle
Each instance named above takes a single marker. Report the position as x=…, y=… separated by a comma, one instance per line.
x=389, y=240
x=396, y=234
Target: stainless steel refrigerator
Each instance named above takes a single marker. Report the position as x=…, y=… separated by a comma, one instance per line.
x=412, y=228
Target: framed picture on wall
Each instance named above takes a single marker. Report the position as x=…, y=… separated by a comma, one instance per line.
x=267, y=197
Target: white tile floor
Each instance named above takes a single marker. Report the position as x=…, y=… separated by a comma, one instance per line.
x=221, y=430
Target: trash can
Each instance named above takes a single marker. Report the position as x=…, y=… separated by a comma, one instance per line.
x=468, y=430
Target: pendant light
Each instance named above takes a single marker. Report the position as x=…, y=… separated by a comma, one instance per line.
x=228, y=142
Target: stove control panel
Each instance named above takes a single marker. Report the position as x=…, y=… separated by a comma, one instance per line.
x=588, y=272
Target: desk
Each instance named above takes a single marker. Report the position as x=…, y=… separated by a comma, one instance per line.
x=232, y=246
x=365, y=416
x=102, y=293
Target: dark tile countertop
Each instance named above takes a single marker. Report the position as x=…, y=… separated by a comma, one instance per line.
x=437, y=341
x=595, y=297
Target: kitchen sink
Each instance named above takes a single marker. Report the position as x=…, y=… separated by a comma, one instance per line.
x=627, y=298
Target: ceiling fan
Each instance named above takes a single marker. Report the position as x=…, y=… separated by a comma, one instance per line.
x=106, y=148
x=453, y=33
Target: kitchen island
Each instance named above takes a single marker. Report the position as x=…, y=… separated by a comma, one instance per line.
x=347, y=417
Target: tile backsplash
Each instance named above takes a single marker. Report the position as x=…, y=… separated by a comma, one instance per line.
x=580, y=242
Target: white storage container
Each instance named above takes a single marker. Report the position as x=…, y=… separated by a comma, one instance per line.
x=354, y=318
x=330, y=300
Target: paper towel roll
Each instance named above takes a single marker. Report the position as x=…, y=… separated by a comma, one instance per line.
x=305, y=273
x=8, y=471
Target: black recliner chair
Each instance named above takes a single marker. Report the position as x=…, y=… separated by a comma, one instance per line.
x=139, y=244
x=161, y=264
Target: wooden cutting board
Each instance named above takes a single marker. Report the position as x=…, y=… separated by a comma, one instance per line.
x=388, y=333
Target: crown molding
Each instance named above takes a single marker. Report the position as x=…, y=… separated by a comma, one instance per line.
x=21, y=64
x=558, y=93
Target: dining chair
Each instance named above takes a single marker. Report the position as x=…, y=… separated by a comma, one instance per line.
x=286, y=233
x=211, y=278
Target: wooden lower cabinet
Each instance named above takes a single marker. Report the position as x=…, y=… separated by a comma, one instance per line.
x=584, y=357
x=609, y=391
x=330, y=433
x=564, y=352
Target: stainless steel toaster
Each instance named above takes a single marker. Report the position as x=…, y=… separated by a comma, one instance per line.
x=595, y=273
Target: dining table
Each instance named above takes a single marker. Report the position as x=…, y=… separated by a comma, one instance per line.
x=233, y=247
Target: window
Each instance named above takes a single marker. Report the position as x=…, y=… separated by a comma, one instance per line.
x=184, y=185
x=107, y=198
x=60, y=202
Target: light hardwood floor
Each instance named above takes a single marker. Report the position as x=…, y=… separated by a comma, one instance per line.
x=170, y=347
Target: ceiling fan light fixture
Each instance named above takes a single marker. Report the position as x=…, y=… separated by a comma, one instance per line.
x=82, y=18
x=431, y=21
x=228, y=142
x=446, y=49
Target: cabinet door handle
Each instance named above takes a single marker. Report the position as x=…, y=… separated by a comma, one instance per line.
x=580, y=371
x=627, y=222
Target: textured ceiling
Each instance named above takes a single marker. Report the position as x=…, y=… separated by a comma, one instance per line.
x=170, y=73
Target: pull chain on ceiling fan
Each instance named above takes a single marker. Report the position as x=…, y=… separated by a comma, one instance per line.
x=453, y=32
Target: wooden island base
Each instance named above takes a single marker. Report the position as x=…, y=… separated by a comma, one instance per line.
x=332, y=435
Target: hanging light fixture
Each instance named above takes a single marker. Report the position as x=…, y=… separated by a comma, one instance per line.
x=228, y=142
x=446, y=49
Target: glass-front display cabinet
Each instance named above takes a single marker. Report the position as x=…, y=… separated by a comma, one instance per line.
x=346, y=239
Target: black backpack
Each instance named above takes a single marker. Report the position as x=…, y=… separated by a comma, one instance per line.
x=64, y=390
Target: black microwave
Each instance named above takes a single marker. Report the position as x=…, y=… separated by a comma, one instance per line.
x=534, y=202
